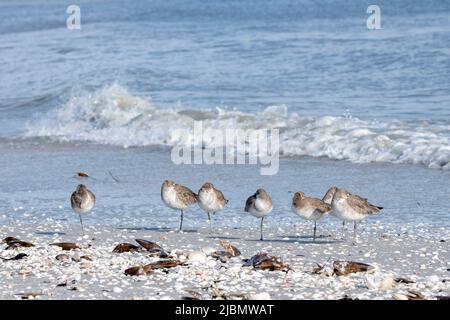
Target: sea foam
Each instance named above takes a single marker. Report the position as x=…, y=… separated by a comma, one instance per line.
x=113, y=116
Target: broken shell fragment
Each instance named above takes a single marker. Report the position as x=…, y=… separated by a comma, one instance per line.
x=17, y=257
x=135, y=271
x=230, y=249
x=62, y=257
x=148, y=245
x=125, y=247
x=343, y=268
x=66, y=245
x=163, y=264
x=265, y=262
x=13, y=243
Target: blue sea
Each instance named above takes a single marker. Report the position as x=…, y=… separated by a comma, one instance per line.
x=343, y=97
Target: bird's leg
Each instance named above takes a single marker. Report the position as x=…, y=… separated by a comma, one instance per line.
x=181, y=222
x=81, y=222
x=209, y=218
x=354, y=233
x=315, y=228
x=262, y=220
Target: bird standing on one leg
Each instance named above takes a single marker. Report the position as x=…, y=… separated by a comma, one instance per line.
x=177, y=197
x=349, y=207
x=82, y=201
x=211, y=200
x=309, y=208
x=259, y=205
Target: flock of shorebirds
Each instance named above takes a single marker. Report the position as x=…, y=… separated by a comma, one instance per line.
x=337, y=202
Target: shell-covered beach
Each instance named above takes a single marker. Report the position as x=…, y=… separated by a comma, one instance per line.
x=406, y=246
x=409, y=262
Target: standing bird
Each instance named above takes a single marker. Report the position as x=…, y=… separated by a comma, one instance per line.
x=82, y=201
x=259, y=205
x=327, y=198
x=309, y=208
x=349, y=207
x=177, y=197
x=211, y=200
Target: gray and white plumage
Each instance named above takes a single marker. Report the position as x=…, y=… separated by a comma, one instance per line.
x=259, y=205
x=352, y=208
x=310, y=208
x=177, y=197
x=82, y=201
x=211, y=200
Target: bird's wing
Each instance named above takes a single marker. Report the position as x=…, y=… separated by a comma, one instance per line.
x=250, y=203
x=220, y=196
x=362, y=205
x=320, y=205
x=76, y=200
x=185, y=194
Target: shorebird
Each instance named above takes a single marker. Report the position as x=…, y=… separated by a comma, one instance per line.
x=177, y=197
x=309, y=208
x=211, y=200
x=327, y=198
x=82, y=201
x=349, y=207
x=259, y=205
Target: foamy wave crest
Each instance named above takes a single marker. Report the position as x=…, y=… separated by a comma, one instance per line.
x=113, y=116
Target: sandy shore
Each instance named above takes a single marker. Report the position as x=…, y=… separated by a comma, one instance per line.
x=419, y=253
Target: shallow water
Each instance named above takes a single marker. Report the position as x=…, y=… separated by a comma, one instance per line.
x=37, y=187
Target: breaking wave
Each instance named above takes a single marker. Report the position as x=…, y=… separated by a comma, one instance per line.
x=113, y=116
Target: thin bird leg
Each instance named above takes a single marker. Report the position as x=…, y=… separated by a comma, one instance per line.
x=81, y=222
x=315, y=228
x=262, y=219
x=181, y=221
x=209, y=218
x=354, y=233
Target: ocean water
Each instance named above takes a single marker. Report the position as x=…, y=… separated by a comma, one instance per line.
x=341, y=95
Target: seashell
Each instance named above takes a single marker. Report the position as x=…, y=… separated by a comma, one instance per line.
x=208, y=250
x=265, y=262
x=86, y=258
x=370, y=283
x=387, y=283
x=343, y=268
x=13, y=242
x=259, y=296
x=148, y=245
x=29, y=295
x=125, y=247
x=117, y=290
x=414, y=295
x=196, y=256
x=194, y=295
x=404, y=280
x=20, y=256
x=66, y=245
x=62, y=257
x=231, y=250
x=7, y=240
x=399, y=296
x=162, y=264
x=135, y=271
